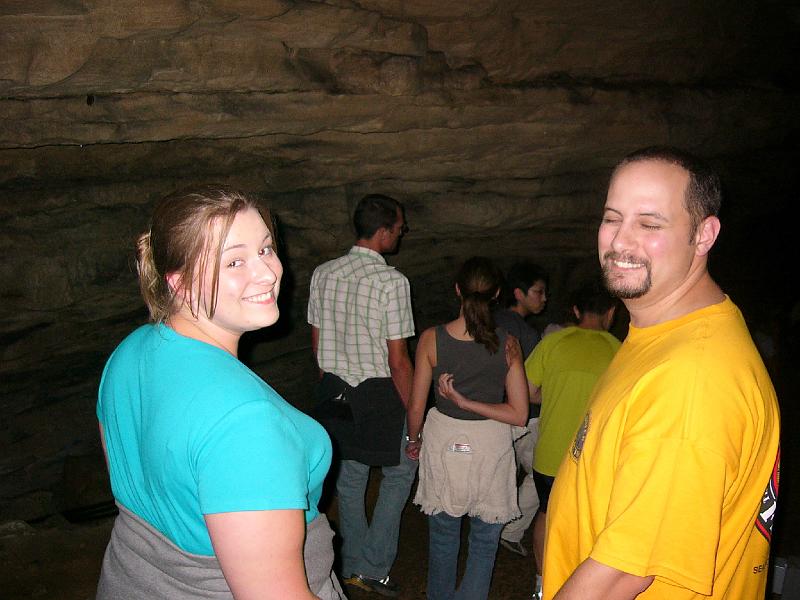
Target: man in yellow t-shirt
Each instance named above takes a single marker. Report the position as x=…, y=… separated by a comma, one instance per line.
x=561, y=372
x=670, y=485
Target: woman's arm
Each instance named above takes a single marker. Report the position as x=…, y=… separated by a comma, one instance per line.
x=261, y=553
x=514, y=410
x=423, y=369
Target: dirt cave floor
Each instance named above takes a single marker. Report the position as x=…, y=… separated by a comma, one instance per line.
x=59, y=560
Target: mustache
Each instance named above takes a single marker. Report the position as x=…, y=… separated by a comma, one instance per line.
x=629, y=258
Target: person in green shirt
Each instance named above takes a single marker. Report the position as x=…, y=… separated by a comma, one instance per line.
x=562, y=371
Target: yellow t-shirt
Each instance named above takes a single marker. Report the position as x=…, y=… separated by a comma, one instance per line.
x=674, y=471
x=566, y=365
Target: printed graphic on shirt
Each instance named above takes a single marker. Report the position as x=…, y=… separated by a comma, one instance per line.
x=769, y=501
x=580, y=437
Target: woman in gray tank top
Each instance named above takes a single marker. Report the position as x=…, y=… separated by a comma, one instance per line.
x=467, y=464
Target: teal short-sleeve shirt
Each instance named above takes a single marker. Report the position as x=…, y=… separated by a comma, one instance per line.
x=190, y=430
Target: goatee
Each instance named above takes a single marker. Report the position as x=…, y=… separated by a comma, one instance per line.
x=617, y=286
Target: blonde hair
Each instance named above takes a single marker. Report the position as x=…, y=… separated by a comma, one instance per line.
x=185, y=237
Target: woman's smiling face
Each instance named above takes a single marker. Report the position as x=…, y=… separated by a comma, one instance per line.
x=249, y=278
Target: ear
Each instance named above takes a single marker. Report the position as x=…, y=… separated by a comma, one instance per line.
x=609, y=318
x=518, y=295
x=179, y=292
x=706, y=235
x=378, y=236
x=458, y=291
x=576, y=312
x=174, y=282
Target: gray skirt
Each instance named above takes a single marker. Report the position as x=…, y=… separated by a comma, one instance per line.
x=140, y=562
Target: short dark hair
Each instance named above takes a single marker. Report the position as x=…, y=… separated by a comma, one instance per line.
x=592, y=297
x=522, y=275
x=703, y=196
x=373, y=212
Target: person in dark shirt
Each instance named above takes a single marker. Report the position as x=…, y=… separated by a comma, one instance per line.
x=525, y=294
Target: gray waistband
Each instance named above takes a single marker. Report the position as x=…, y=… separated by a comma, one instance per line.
x=140, y=562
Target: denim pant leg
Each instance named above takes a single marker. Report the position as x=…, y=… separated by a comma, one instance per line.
x=379, y=547
x=483, y=540
x=444, y=540
x=351, y=486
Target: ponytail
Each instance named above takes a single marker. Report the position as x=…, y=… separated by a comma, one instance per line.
x=480, y=322
x=154, y=288
x=479, y=282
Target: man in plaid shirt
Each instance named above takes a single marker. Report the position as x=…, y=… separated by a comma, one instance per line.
x=359, y=310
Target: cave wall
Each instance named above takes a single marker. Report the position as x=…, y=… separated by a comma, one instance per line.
x=495, y=122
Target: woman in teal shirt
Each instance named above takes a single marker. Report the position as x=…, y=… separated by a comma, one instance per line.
x=217, y=477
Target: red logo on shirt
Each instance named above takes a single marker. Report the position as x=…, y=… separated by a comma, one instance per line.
x=769, y=501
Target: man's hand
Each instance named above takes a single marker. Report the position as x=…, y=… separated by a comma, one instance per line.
x=412, y=449
x=513, y=350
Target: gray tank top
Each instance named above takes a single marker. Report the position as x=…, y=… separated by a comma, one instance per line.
x=478, y=375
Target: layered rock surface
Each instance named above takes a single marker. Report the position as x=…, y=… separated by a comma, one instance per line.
x=495, y=122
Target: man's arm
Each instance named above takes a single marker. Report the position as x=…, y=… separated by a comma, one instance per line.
x=534, y=393
x=400, y=368
x=315, y=346
x=423, y=367
x=595, y=581
x=534, y=368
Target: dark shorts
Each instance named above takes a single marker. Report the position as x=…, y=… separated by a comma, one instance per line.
x=544, y=485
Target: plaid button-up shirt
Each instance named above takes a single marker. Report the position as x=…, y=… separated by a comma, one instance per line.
x=358, y=302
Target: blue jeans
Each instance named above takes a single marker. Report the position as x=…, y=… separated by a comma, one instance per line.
x=370, y=549
x=443, y=545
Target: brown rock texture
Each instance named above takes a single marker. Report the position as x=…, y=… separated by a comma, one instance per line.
x=495, y=122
